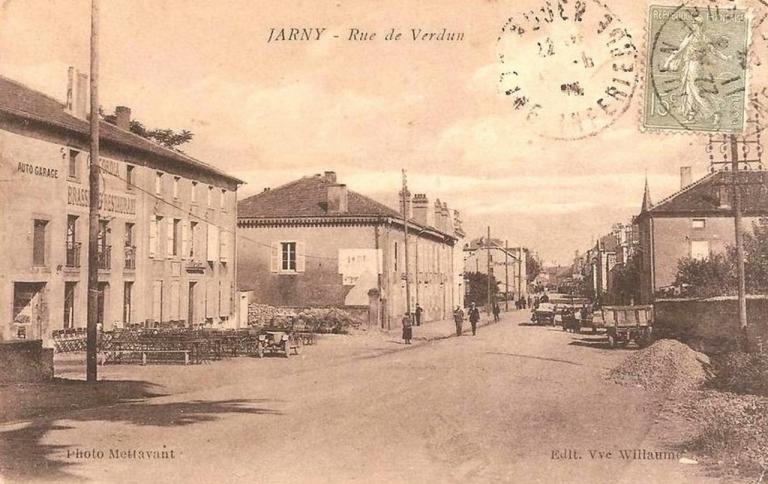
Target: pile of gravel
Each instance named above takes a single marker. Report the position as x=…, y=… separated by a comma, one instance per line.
x=667, y=365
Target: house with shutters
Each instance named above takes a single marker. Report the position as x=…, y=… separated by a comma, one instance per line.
x=166, y=229
x=315, y=243
x=696, y=221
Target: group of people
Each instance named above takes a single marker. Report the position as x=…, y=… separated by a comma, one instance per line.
x=523, y=303
x=474, y=317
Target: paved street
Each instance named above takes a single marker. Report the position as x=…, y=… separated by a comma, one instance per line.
x=488, y=408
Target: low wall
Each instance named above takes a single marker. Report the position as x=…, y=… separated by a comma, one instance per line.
x=711, y=325
x=25, y=361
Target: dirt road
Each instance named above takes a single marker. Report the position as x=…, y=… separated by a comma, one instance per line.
x=514, y=404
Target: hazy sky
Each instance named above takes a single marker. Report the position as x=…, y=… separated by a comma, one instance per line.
x=271, y=112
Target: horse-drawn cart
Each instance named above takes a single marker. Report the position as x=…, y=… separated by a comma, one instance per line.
x=628, y=323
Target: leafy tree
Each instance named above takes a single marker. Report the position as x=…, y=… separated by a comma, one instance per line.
x=532, y=266
x=625, y=286
x=477, y=288
x=166, y=137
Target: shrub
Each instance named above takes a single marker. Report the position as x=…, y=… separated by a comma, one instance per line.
x=742, y=373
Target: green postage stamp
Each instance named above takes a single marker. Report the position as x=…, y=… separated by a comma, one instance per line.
x=696, y=71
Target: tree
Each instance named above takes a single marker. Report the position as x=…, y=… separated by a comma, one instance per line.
x=166, y=137
x=532, y=266
x=625, y=285
x=477, y=288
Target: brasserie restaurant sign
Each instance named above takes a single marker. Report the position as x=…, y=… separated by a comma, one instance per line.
x=109, y=202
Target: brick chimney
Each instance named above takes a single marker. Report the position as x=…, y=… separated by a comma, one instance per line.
x=329, y=176
x=447, y=224
x=685, y=176
x=337, y=198
x=80, y=107
x=420, y=208
x=439, y=219
x=123, y=117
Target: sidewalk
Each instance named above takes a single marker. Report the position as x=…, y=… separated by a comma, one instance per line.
x=446, y=328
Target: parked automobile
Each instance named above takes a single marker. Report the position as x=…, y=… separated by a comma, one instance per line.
x=544, y=313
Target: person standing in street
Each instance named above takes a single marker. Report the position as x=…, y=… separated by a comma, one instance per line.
x=496, y=311
x=418, y=312
x=407, y=328
x=474, y=317
x=458, y=318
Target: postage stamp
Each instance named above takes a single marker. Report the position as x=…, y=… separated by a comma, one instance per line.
x=696, y=69
x=568, y=67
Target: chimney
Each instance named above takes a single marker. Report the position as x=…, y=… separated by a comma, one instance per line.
x=457, y=228
x=685, y=176
x=337, y=199
x=446, y=219
x=123, y=117
x=81, y=96
x=329, y=176
x=420, y=208
x=405, y=203
x=70, y=88
x=439, y=219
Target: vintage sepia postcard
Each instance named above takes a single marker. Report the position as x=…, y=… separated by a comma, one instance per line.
x=410, y=241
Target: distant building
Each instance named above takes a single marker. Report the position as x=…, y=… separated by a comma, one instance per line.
x=167, y=220
x=697, y=221
x=508, y=265
x=313, y=242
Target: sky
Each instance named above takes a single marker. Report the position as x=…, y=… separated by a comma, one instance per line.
x=270, y=112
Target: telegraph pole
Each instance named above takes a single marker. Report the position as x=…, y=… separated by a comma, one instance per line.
x=488, y=256
x=405, y=226
x=739, y=243
x=93, y=213
x=506, y=275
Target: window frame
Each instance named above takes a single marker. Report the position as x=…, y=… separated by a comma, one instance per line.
x=40, y=249
x=129, y=176
x=694, y=222
x=159, y=183
x=290, y=245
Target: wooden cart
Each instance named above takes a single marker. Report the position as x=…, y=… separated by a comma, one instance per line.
x=624, y=324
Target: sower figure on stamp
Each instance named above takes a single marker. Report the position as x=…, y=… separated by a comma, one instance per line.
x=474, y=317
x=407, y=328
x=458, y=318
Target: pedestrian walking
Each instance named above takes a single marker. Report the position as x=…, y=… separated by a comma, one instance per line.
x=418, y=312
x=458, y=318
x=474, y=317
x=407, y=328
x=496, y=311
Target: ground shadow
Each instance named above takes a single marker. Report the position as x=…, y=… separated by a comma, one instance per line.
x=25, y=455
x=556, y=360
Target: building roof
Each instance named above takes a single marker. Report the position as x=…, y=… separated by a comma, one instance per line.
x=20, y=101
x=479, y=243
x=711, y=195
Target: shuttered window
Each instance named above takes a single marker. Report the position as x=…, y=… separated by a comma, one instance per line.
x=38, y=242
x=213, y=243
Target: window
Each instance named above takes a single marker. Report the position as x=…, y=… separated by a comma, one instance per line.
x=38, y=243
x=104, y=249
x=159, y=183
x=129, y=182
x=174, y=238
x=193, y=192
x=176, y=187
x=154, y=236
x=73, y=168
x=210, y=196
x=72, y=258
x=698, y=223
x=395, y=257
x=222, y=199
x=699, y=249
x=127, y=302
x=69, y=304
x=130, y=248
x=287, y=257
x=192, y=235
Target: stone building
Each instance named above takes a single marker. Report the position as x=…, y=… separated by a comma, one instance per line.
x=313, y=242
x=166, y=230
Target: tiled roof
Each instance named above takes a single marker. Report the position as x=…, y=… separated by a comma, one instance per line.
x=306, y=197
x=21, y=101
x=703, y=196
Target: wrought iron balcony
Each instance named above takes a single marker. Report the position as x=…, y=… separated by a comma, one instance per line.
x=104, y=257
x=72, y=259
x=130, y=257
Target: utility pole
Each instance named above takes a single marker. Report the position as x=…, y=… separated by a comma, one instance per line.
x=93, y=204
x=520, y=271
x=488, y=256
x=739, y=235
x=407, y=266
x=506, y=275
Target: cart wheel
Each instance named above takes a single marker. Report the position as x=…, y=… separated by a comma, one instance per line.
x=611, y=341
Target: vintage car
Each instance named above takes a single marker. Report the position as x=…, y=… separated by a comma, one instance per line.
x=277, y=342
x=544, y=313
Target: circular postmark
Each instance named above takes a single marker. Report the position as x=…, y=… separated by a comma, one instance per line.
x=569, y=67
x=697, y=69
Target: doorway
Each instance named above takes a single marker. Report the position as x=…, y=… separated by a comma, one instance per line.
x=29, y=310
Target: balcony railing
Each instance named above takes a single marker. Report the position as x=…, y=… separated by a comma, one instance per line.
x=130, y=257
x=104, y=257
x=72, y=255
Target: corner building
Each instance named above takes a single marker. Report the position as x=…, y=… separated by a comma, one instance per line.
x=166, y=229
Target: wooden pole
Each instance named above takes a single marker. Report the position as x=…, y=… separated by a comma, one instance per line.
x=739, y=243
x=93, y=212
x=407, y=266
x=506, y=275
x=488, y=257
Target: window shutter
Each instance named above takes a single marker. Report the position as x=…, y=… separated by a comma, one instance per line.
x=213, y=243
x=184, y=239
x=301, y=262
x=274, y=260
x=153, y=237
x=224, y=246
x=169, y=229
